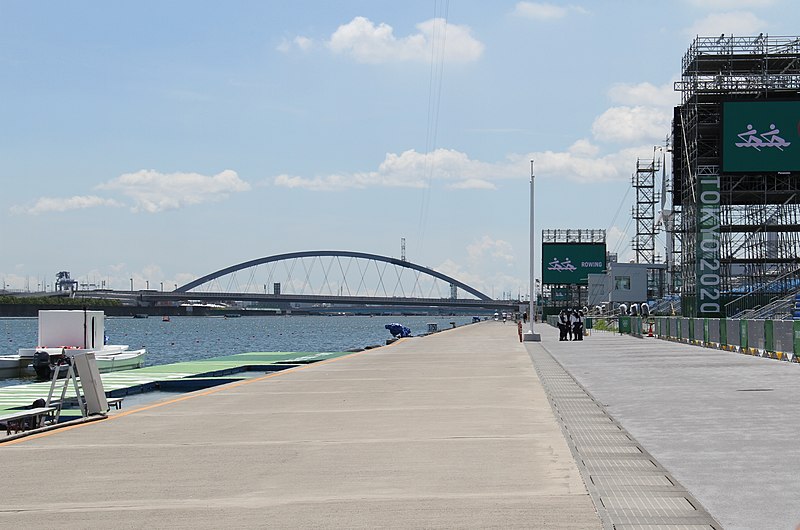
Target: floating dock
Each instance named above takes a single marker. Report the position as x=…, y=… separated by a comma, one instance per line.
x=178, y=377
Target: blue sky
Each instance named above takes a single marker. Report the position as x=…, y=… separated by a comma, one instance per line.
x=164, y=140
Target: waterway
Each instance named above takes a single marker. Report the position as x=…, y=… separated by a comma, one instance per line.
x=189, y=338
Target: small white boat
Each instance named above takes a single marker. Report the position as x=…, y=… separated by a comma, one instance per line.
x=10, y=366
x=109, y=358
x=64, y=333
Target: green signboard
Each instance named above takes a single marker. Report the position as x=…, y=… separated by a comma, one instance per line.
x=571, y=263
x=761, y=136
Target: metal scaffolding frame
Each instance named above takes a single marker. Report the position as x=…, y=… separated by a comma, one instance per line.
x=573, y=235
x=759, y=214
x=644, y=210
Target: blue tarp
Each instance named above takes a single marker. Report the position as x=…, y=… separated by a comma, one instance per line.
x=398, y=330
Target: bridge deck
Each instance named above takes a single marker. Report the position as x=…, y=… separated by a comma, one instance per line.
x=450, y=430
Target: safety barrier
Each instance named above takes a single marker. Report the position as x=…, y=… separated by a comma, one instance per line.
x=776, y=339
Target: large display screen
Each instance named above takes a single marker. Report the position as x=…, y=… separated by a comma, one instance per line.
x=571, y=263
x=762, y=136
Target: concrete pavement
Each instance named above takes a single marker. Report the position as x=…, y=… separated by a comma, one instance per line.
x=725, y=425
x=453, y=430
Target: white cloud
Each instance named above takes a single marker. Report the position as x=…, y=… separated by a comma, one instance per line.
x=490, y=282
x=409, y=169
x=152, y=191
x=584, y=148
x=545, y=11
x=496, y=249
x=631, y=131
x=736, y=23
x=582, y=162
x=645, y=94
x=454, y=270
x=574, y=167
x=304, y=43
x=367, y=43
x=301, y=43
x=644, y=114
x=63, y=204
x=632, y=124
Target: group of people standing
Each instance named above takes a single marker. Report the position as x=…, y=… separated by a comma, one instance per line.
x=570, y=324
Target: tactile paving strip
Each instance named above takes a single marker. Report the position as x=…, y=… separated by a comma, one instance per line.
x=630, y=489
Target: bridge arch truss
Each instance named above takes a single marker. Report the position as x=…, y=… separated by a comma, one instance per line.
x=334, y=273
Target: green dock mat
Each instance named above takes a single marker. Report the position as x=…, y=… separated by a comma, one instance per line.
x=20, y=396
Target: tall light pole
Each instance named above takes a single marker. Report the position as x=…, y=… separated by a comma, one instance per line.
x=532, y=336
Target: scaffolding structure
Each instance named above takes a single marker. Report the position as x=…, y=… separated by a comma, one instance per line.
x=643, y=214
x=644, y=210
x=758, y=212
x=573, y=235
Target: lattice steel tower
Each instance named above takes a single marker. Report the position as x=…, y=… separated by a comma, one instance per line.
x=644, y=211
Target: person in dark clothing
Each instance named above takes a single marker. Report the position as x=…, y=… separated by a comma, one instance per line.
x=563, y=325
x=577, y=325
x=572, y=315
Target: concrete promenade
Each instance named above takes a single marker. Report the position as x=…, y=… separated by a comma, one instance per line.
x=466, y=428
x=452, y=430
x=725, y=425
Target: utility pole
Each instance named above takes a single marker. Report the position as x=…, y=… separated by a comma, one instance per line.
x=532, y=336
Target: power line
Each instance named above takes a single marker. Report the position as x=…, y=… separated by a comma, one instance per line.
x=434, y=105
x=619, y=208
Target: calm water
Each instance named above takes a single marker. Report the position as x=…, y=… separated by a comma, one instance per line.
x=188, y=338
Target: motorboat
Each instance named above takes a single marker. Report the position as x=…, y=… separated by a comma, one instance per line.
x=65, y=333
x=10, y=365
x=109, y=358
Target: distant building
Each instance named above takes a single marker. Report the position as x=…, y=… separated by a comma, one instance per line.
x=621, y=283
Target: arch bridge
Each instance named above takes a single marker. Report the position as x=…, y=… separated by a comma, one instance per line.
x=332, y=277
